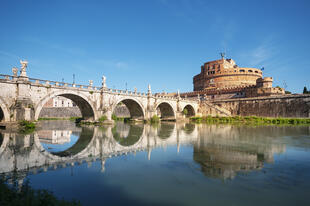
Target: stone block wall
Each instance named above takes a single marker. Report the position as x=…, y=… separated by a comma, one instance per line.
x=280, y=106
x=121, y=111
x=60, y=112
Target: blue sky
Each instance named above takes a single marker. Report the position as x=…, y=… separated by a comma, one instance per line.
x=161, y=42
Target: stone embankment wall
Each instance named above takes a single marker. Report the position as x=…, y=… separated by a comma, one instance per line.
x=121, y=111
x=273, y=106
x=60, y=112
x=66, y=112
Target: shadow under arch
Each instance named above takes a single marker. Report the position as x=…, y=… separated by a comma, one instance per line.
x=1, y=115
x=83, y=141
x=4, y=112
x=1, y=139
x=165, y=130
x=165, y=111
x=86, y=108
x=135, y=108
x=189, y=111
x=127, y=134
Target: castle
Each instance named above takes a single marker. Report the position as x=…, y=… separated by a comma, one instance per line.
x=224, y=79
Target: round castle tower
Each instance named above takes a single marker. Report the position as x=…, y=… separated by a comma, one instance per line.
x=225, y=73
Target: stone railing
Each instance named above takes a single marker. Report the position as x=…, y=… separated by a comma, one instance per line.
x=6, y=77
x=49, y=83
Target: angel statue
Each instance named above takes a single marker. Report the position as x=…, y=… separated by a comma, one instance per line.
x=24, y=64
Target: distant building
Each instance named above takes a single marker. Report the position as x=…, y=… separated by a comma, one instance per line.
x=60, y=102
x=224, y=79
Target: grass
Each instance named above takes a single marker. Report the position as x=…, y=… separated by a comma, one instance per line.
x=12, y=195
x=251, y=120
x=59, y=118
x=26, y=126
x=102, y=118
x=116, y=118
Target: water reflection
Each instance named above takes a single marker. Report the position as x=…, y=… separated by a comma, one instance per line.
x=58, y=137
x=165, y=130
x=127, y=134
x=221, y=151
x=230, y=149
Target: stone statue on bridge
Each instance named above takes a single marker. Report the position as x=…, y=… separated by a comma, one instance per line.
x=149, y=91
x=104, y=85
x=14, y=70
x=24, y=64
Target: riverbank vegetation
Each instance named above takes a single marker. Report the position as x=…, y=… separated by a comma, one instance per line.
x=250, y=120
x=26, y=126
x=59, y=118
x=13, y=195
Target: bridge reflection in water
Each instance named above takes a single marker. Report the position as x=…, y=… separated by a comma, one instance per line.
x=221, y=151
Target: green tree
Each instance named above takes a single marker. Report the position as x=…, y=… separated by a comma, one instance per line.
x=305, y=90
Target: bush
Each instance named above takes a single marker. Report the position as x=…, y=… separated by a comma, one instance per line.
x=103, y=118
x=185, y=112
x=26, y=126
x=155, y=119
x=116, y=118
x=11, y=195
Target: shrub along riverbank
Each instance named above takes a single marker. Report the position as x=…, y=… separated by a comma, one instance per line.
x=250, y=120
x=58, y=118
x=12, y=195
x=26, y=126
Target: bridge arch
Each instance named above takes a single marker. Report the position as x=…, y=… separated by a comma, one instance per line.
x=85, y=141
x=165, y=111
x=127, y=135
x=87, y=109
x=4, y=111
x=189, y=110
x=135, y=108
x=165, y=130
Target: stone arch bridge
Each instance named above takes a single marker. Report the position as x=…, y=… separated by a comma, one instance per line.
x=22, y=98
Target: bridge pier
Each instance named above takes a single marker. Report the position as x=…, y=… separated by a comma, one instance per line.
x=23, y=109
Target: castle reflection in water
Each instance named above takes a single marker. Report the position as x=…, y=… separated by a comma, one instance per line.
x=222, y=151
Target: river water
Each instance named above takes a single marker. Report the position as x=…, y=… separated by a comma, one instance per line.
x=166, y=164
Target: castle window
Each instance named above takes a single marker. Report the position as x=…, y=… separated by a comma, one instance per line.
x=235, y=70
x=241, y=70
x=250, y=71
x=256, y=71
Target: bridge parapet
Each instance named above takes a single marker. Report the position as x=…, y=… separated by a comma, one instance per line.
x=22, y=98
x=50, y=83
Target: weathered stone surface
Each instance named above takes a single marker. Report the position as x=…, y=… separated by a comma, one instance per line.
x=225, y=73
x=279, y=106
x=60, y=112
x=22, y=98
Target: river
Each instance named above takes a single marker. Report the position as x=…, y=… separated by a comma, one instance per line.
x=164, y=164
